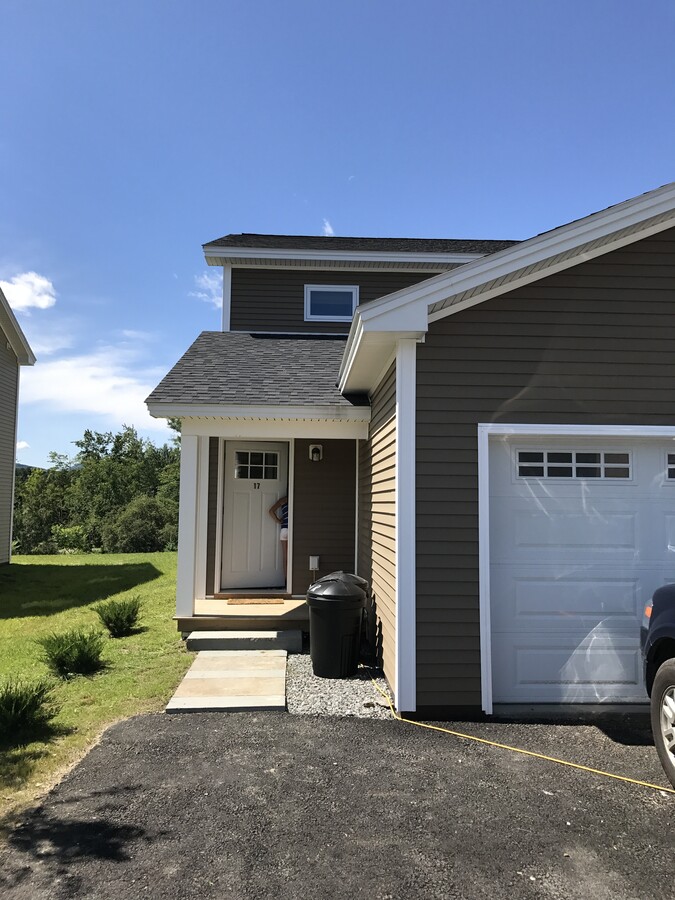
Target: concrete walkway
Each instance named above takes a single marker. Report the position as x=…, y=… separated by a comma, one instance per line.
x=221, y=680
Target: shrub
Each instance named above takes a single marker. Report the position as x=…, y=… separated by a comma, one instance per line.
x=74, y=652
x=137, y=528
x=120, y=617
x=26, y=707
x=44, y=548
x=169, y=536
x=69, y=538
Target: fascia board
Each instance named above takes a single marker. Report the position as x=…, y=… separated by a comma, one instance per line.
x=532, y=252
x=351, y=350
x=375, y=349
x=528, y=276
x=409, y=316
x=372, y=337
x=225, y=253
x=166, y=409
x=14, y=334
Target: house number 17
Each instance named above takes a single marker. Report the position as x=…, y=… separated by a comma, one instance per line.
x=256, y=485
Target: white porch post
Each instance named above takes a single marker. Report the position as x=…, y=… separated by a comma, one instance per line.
x=201, y=539
x=187, y=525
x=406, y=621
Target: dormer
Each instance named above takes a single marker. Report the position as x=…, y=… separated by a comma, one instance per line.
x=295, y=284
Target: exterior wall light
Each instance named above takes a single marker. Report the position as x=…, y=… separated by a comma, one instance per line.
x=315, y=452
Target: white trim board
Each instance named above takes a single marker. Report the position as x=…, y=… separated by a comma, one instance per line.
x=422, y=268
x=290, y=492
x=217, y=255
x=14, y=334
x=187, y=525
x=220, y=511
x=262, y=429
x=408, y=312
x=227, y=297
x=564, y=239
x=329, y=413
x=202, y=527
x=405, y=688
x=486, y=431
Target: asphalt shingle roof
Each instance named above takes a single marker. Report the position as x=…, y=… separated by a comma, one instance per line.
x=255, y=369
x=393, y=245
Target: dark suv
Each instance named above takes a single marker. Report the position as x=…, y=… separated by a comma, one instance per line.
x=657, y=639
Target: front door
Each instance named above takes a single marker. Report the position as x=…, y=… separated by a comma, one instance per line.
x=256, y=476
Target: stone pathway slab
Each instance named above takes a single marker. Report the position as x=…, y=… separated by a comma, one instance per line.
x=227, y=680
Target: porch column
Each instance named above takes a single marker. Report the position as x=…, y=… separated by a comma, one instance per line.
x=187, y=525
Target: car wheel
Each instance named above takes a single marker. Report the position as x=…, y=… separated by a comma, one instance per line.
x=663, y=717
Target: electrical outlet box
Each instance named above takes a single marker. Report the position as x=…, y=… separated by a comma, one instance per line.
x=313, y=563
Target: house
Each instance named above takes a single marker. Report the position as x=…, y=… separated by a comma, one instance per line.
x=484, y=430
x=14, y=352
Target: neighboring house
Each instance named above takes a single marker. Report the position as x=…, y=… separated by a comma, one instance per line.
x=493, y=427
x=14, y=352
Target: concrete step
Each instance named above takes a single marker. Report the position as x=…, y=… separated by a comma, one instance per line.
x=225, y=681
x=288, y=640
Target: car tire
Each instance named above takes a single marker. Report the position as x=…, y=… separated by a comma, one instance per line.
x=663, y=717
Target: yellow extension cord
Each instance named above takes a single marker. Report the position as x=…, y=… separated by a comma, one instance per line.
x=561, y=762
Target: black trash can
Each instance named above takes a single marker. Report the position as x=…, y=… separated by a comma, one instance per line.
x=335, y=613
x=349, y=578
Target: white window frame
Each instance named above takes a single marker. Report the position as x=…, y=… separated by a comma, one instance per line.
x=353, y=288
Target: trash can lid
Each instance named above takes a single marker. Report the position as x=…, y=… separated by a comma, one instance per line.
x=349, y=577
x=335, y=590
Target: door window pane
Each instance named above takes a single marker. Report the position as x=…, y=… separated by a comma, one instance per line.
x=256, y=465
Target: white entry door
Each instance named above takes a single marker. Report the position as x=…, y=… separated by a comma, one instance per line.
x=582, y=531
x=256, y=476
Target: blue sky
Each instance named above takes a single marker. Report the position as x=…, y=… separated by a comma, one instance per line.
x=133, y=132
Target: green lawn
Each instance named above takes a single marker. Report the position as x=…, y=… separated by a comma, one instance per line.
x=43, y=594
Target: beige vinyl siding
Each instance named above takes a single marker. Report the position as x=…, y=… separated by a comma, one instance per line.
x=592, y=345
x=9, y=385
x=274, y=300
x=377, y=511
x=324, y=510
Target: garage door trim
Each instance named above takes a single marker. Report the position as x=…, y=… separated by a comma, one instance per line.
x=486, y=433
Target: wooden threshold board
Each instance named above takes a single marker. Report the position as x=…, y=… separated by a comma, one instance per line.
x=252, y=595
x=257, y=601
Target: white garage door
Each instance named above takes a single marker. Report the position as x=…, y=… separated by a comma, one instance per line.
x=581, y=534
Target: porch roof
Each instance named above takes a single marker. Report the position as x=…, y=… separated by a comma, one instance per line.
x=255, y=370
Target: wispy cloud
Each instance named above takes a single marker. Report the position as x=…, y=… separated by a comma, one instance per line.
x=109, y=381
x=209, y=287
x=131, y=334
x=22, y=445
x=327, y=228
x=46, y=341
x=27, y=291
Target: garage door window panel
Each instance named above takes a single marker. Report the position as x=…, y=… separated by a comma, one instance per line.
x=671, y=466
x=574, y=464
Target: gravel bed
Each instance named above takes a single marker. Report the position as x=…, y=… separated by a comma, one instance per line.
x=309, y=695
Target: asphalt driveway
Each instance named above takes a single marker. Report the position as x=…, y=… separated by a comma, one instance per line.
x=270, y=805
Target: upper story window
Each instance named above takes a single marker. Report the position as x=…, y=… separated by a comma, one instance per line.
x=330, y=302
